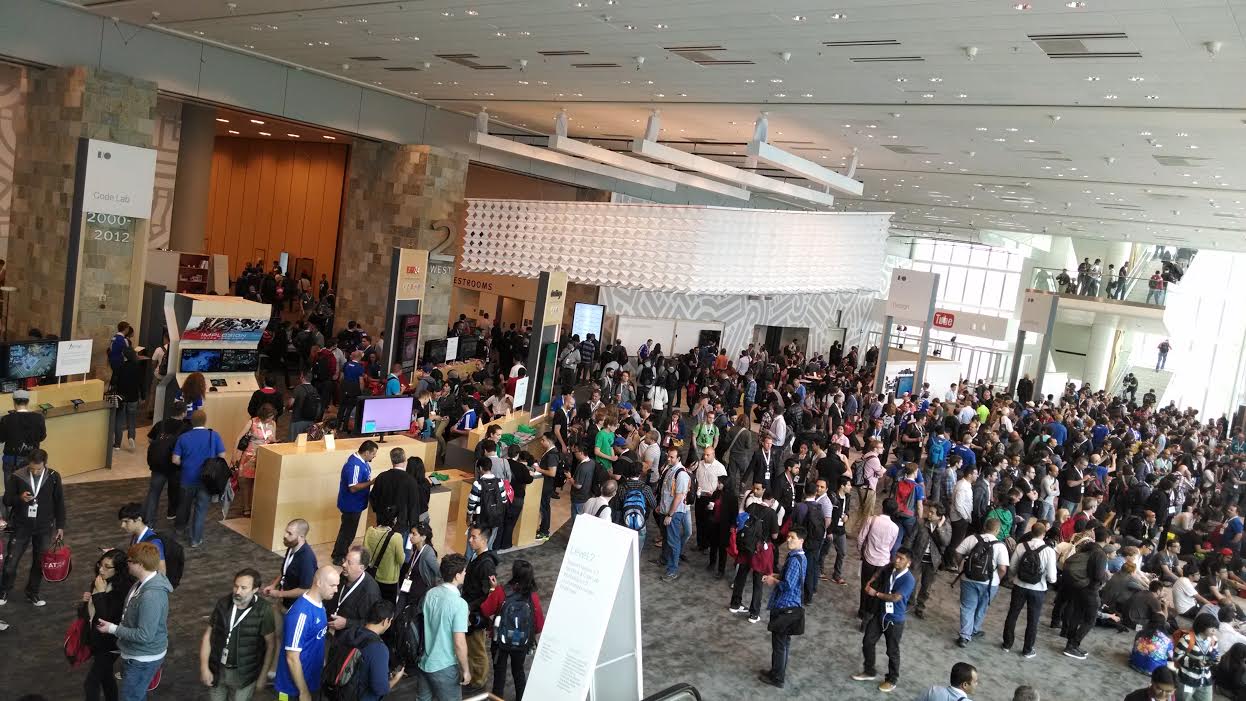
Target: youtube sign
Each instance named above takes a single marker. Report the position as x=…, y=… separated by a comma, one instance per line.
x=944, y=320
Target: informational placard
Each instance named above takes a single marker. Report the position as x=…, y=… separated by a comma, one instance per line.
x=452, y=349
x=521, y=392
x=119, y=179
x=227, y=329
x=555, y=298
x=73, y=357
x=589, y=646
x=1035, y=311
x=970, y=324
x=412, y=273
x=910, y=295
x=586, y=319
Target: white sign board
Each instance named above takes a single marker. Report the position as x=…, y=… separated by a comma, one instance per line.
x=588, y=647
x=452, y=349
x=910, y=296
x=521, y=392
x=969, y=324
x=119, y=179
x=587, y=319
x=73, y=357
x=1036, y=310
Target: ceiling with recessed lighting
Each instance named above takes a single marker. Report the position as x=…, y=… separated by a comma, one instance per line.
x=1120, y=119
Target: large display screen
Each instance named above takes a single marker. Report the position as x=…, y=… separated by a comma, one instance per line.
x=31, y=360
x=467, y=347
x=549, y=363
x=435, y=351
x=410, y=341
x=386, y=415
x=200, y=360
x=587, y=319
x=240, y=360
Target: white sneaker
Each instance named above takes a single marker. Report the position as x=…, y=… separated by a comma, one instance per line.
x=36, y=601
x=754, y=619
x=3, y=626
x=737, y=609
x=132, y=445
x=4, y=599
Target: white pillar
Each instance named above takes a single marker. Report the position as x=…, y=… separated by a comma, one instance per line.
x=1099, y=355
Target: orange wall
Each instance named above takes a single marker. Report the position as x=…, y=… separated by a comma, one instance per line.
x=276, y=196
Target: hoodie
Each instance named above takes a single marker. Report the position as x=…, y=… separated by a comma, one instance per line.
x=142, y=631
x=373, y=670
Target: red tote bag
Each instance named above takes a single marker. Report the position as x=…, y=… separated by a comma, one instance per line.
x=57, y=562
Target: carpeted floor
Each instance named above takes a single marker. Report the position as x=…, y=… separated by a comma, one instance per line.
x=689, y=636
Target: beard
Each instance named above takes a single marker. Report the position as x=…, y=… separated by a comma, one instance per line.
x=289, y=543
x=243, y=601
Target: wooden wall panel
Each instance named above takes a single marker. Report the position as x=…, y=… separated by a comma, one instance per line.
x=276, y=196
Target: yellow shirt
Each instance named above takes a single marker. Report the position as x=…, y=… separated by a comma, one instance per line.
x=388, y=568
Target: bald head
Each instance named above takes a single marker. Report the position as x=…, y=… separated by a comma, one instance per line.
x=326, y=582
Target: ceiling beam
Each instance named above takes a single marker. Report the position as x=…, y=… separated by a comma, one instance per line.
x=572, y=147
x=544, y=155
x=804, y=168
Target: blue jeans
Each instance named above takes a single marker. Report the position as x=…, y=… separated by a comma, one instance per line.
x=975, y=597
x=442, y=685
x=135, y=678
x=297, y=427
x=193, y=510
x=907, y=524
x=676, y=537
x=577, y=508
x=159, y=482
x=1046, y=511
x=127, y=422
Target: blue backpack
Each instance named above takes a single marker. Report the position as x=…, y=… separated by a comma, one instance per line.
x=938, y=451
x=635, y=509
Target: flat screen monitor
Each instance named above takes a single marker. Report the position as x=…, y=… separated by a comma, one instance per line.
x=240, y=360
x=587, y=319
x=31, y=360
x=549, y=363
x=200, y=360
x=386, y=415
x=435, y=351
x=467, y=347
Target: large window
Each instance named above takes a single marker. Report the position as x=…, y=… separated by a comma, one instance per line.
x=972, y=278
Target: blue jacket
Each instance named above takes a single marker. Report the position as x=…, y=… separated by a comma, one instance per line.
x=788, y=592
x=354, y=471
x=373, y=669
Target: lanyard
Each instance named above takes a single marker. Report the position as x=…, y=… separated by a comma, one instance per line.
x=286, y=565
x=130, y=597
x=891, y=586
x=233, y=624
x=350, y=591
x=35, y=486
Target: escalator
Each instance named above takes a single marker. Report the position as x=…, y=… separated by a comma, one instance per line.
x=679, y=692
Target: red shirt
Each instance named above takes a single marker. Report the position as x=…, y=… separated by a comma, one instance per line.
x=494, y=601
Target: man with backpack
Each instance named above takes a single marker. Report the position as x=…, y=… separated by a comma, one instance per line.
x=1085, y=572
x=325, y=371
x=636, y=501
x=810, y=515
x=985, y=563
x=676, y=486
x=478, y=582
x=1034, y=570
x=910, y=497
x=165, y=476
x=486, y=504
x=755, y=528
x=306, y=406
x=133, y=523
x=192, y=451
x=357, y=666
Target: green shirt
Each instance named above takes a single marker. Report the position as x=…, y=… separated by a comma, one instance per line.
x=388, y=568
x=445, y=613
x=983, y=413
x=705, y=434
x=605, y=443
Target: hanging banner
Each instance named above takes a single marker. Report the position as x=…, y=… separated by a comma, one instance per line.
x=1036, y=310
x=909, y=297
x=119, y=179
x=412, y=273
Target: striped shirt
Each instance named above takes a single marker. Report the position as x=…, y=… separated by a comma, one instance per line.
x=1195, y=658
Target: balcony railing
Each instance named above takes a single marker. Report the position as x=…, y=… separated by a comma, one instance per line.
x=1132, y=288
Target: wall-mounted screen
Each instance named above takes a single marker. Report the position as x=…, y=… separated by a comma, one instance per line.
x=31, y=360
x=410, y=326
x=386, y=415
x=467, y=347
x=435, y=351
x=549, y=363
x=200, y=360
x=587, y=319
x=240, y=360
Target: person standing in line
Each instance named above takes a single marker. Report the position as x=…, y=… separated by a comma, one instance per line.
x=21, y=430
x=373, y=677
x=893, y=586
x=444, y=664
x=352, y=496
x=239, y=646
x=929, y=543
x=302, y=639
x=581, y=480
x=130, y=383
x=708, y=471
x=522, y=586
x=785, y=602
x=259, y=430
x=358, y=591
x=298, y=567
x=396, y=491
x=963, y=682
x=985, y=560
x=674, y=507
x=105, y=600
x=192, y=450
x=961, y=513
x=1087, y=572
x=478, y=583
x=142, y=630
x=1035, y=566
x=165, y=475
x=836, y=534
x=754, y=558
x=548, y=467
x=35, y=501
x=874, y=542
x=872, y=470
x=386, y=547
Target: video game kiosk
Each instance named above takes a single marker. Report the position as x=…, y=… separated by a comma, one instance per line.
x=219, y=337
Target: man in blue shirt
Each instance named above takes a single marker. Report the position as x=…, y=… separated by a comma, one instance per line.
x=892, y=587
x=352, y=388
x=468, y=421
x=1055, y=429
x=786, y=595
x=352, y=497
x=393, y=383
x=192, y=449
x=302, y=639
x=967, y=457
x=298, y=567
x=373, y=675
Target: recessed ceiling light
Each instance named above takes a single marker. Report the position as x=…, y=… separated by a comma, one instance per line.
x=1029, y=141
x=1136, y=79
x=658, y=94
x=257, y=121
x=749, y=80
x=542, y=82
x=629, y=26
x=838, y=15
x=1092, y=78
x=473, y=13
x=928, y=95
x=776, y=80
x=936, y=79
x=500, y=35
x=799, y=18
x=1193, y=146
x=1075, y=4
x=1152, y=97
x=198, y=33
x=1022, y=6
x=581, y=4
x=1182, y=134
x=780, y=94
x=808, y=94
x=447, y=13
x=1144, y=133
x=231, y=131
x=330, y=138
x=222, y=119
x=661, y=26
x=1109, y=97
x=1000, y=140
x=292, y=136
x=962, y=96
x=265, y=133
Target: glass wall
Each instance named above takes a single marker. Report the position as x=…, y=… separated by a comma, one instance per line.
x=972, y=278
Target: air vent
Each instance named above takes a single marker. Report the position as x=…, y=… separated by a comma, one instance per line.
x=1123, y=207
x=401, y=69
x=803, y=143
x=1063, y=159
x=1227, y=215
x=1180, y=161
x=571, y=52
x=595, y=65
x=368, y=58
x=1093, y=45
x=886, y=59
x=469, y=60
x=909, y=150
x=1164, y=196
x=861, y=42
x=706, y=55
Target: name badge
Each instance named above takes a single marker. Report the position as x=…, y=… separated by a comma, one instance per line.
x=225, y=655
x=889, y=607
x=1172, y=509
x=32, y=510
x=406, y=586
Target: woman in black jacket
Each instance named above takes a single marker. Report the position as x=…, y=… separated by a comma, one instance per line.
x=104, y=601
x=423, y=489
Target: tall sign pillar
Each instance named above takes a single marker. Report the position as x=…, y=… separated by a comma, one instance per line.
x=1038, y=315
x=408, y=276
x=910, y=299
x=551, y=295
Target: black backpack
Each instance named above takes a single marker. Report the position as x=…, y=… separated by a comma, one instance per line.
x=646, y=375
x=514, y=626
x=858, y=473
x=1077, y=569
x=320, y=368
x=812, y=520
x=160, y=451
x=405, y=636
x=214, y=475
x=310, y=410
x=980, y=564
x=342, y=678
x=174, y=556
x=492, y=504
x=1030, y=569
x=754, y=534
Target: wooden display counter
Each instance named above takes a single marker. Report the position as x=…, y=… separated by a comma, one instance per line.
x=459, y=488
x=530, y=516
x=302, y=482
x=227, y=414
x=509, y=424
x=78, y=439
x=424, y=450
x=439, y=516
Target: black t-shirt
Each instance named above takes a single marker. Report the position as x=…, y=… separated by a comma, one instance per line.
x=22, y=431
x=549, y=461
x=561, y=420
x=476, y=579
x=1067, y=493
x=831, y=468
x=521, y=477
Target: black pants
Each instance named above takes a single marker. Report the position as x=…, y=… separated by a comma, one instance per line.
x=873, y=631
x=22, y=537
x=780, y=646
x=959, y=530
x=1082, y=614
x=866, y=607
x=929, y=575
x=705, y=521
x=1032, y=601
x=737, y=589
x=1060, y=606
x=350, y=402
x=813, y=552
x=345, y=535
x=100, y=677
x=516, y=659
x=719, y=535
x=508, y=525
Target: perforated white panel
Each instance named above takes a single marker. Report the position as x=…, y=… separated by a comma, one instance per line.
x=703, y=250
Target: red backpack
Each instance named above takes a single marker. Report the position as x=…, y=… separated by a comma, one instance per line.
x=906, y=497
x=77, y=650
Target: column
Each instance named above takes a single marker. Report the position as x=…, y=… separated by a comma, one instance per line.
x=192, y=188
x=1099, y=355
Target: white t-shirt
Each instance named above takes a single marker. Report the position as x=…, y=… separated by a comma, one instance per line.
x=592, y=505
x=707, y=476
x=999, y=550
x=1183, y=594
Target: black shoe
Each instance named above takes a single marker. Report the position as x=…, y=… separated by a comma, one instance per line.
x=1075, y=652
x=767, y=679
x=962, y=642
x=1005, y=647
x=718, y=575
x=920, y=613
x=683, y=558
x=979, y=634
x=709, y=567
x=555, y=496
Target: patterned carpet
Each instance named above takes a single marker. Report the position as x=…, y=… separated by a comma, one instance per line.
x=688, y=634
